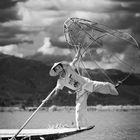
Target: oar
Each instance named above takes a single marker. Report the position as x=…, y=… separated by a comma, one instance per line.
x=46, y=99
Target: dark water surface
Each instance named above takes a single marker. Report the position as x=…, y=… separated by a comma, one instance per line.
x=109, y=125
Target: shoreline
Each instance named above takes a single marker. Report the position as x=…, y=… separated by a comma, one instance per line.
x=72, y=108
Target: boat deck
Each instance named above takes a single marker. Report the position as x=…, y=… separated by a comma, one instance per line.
x=30, y=132
x=44, y=134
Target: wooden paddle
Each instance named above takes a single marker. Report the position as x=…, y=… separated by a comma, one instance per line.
x=45, y=100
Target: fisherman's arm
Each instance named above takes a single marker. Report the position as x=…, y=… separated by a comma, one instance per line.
x=76, y=58
x=56, y=91
x=58, y=87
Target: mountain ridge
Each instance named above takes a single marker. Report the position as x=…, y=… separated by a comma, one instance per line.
x=27, y=82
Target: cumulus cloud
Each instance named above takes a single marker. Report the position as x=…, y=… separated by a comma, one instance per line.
x=47, y=48
x=66, y=5
x=11, y=50
x=9, y=10
x=24, y=21
x=49, y=15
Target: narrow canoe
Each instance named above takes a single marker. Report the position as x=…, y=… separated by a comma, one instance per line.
x=43, y=134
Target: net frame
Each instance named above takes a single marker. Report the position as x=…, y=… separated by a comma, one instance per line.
x=74, y=27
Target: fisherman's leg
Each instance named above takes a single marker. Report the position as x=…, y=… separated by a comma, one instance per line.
x=78, y=116
x=104, y=88
x=80, y=112
x=81, y=120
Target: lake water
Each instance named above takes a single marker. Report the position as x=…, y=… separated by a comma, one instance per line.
x=109, y=125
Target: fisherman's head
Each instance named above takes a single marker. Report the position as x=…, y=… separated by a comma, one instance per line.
x=57, y=69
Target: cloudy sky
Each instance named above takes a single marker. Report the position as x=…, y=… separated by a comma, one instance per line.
x=28, y=27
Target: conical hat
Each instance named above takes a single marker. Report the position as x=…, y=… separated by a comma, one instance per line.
x=52, y=72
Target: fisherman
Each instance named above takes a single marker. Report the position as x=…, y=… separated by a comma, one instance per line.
x=69, y=77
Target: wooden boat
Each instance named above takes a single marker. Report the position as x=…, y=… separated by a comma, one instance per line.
x=43, y=134
x=36, y=134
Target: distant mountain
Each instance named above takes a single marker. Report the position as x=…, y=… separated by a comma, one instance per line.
x=47, y=59
x=27, y=82
x=128, y=90
x=22, y=80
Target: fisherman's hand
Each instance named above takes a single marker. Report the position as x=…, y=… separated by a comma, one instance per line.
x=55, y=92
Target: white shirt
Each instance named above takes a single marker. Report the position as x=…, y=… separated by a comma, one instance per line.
x=76, y=82
x=71, y=80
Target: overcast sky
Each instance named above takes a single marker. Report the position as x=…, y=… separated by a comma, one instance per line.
x=27, y=26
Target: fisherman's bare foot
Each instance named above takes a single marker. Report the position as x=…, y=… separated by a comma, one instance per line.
x=78, y=127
